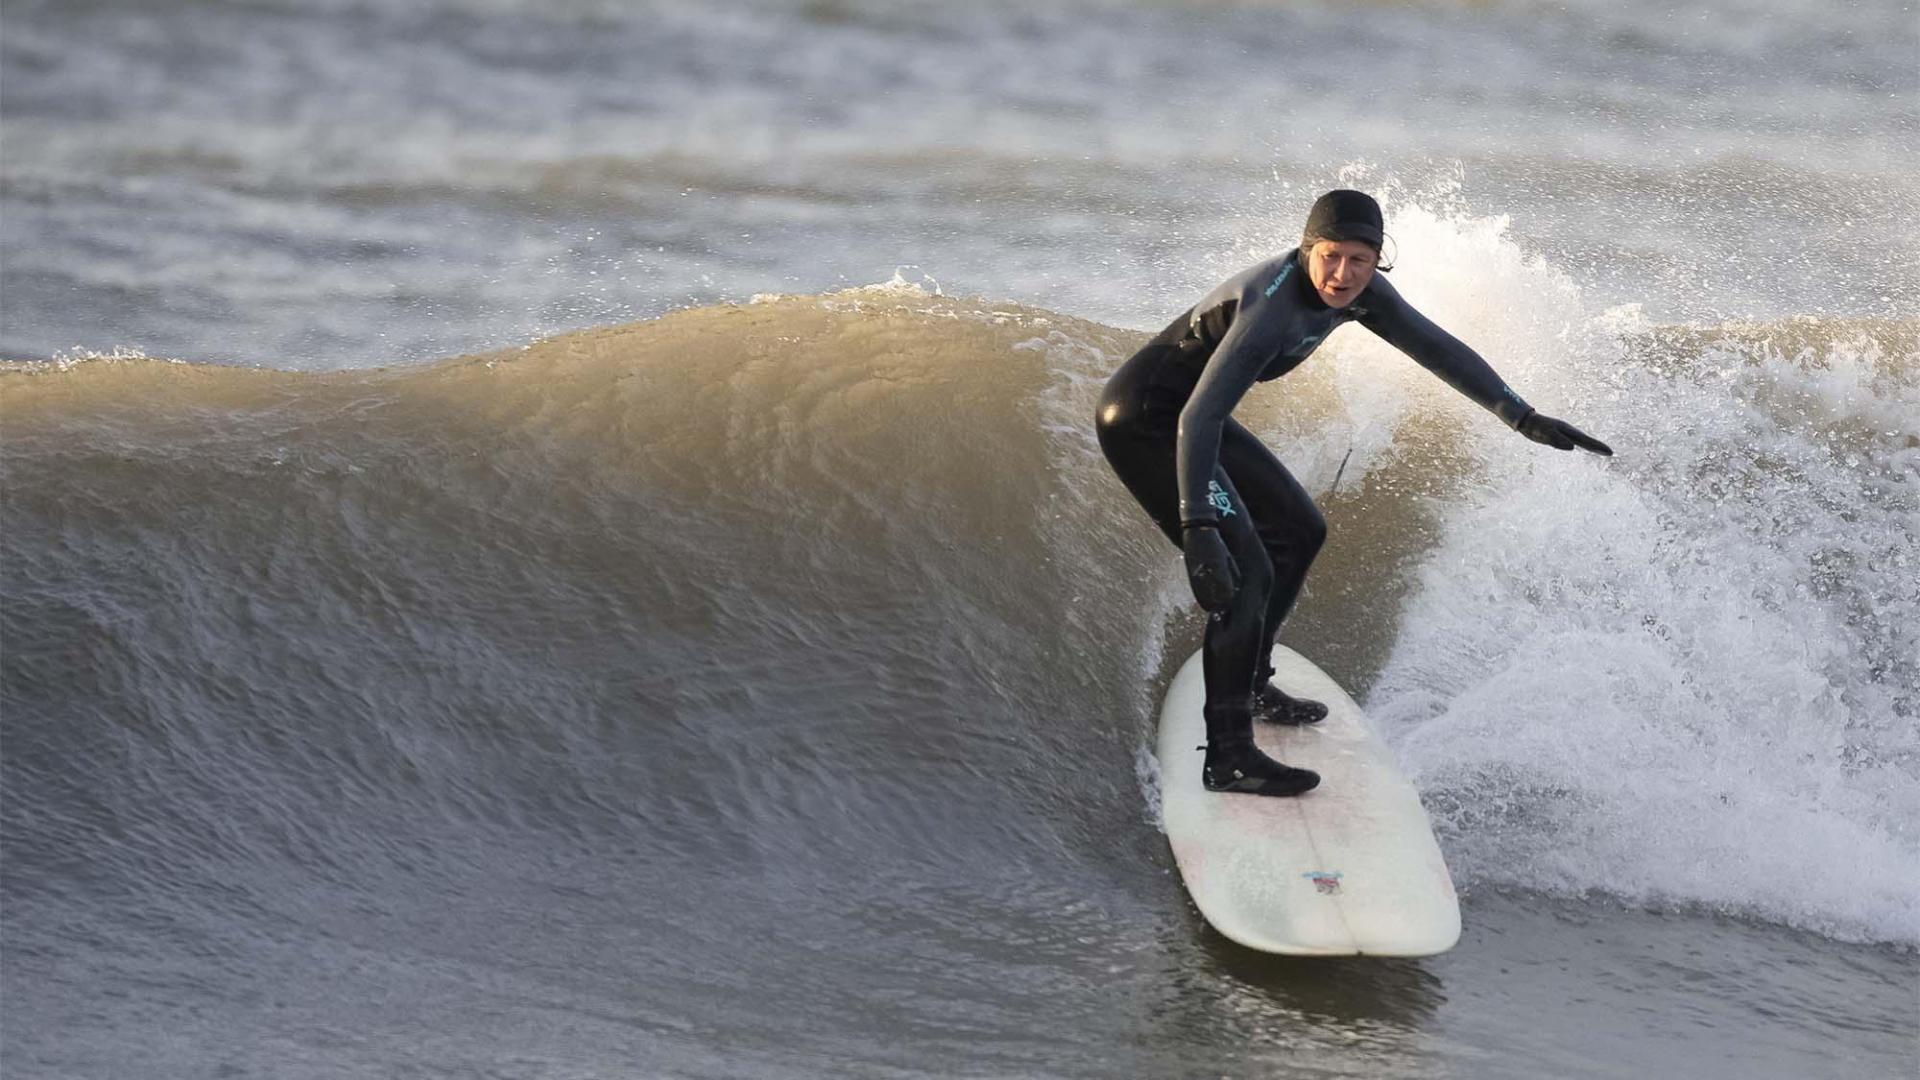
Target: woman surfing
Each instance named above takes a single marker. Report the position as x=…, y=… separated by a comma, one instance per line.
x=1249, y=531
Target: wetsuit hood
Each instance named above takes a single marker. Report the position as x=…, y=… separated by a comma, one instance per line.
x=1344, y=215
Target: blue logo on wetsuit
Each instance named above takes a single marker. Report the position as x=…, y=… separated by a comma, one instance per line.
x=1221, y=501
x=1275, y=287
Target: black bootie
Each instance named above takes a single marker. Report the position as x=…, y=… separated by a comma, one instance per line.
x=1235, y=764
x=1271, y=705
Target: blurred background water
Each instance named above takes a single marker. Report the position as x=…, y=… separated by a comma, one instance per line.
x=345, y=183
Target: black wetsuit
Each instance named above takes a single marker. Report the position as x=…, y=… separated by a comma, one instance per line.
x=1165, y=424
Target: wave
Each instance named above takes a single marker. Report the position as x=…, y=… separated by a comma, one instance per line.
x=826, y=582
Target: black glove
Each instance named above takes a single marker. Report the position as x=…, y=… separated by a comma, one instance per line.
x=1559, y=434
x=1210, y=568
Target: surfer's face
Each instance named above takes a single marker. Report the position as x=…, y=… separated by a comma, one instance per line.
x=1339, y=269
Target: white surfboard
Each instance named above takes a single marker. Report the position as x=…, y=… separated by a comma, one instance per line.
x=1349, y=868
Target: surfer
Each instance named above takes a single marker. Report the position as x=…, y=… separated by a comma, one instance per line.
x=1248, y=530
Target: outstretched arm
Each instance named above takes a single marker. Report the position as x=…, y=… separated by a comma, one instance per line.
x=1396, y=321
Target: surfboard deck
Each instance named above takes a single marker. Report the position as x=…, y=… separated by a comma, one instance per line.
x=1350, y=868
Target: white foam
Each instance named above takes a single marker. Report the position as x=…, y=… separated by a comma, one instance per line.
x=1686, y=675
x=68, y=359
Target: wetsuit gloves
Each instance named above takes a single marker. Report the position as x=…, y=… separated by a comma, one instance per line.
x=1210, y=568
x=1559, y=434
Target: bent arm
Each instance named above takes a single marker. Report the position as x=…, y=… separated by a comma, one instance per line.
x=1397, y=322
x=1229, y=373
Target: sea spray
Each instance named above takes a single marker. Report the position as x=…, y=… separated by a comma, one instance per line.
x=1687, y=675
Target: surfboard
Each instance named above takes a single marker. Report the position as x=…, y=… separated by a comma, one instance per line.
x=1349, y=868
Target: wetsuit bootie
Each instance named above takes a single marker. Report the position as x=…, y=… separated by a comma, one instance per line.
x=1234, y=764
x=1271, y=705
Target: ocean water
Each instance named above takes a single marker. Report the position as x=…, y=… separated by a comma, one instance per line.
x=564, y=540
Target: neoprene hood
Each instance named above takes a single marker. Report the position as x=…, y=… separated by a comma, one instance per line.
x=1344, y=215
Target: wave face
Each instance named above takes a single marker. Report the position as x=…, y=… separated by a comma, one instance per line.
x=749, y=636
x=767, y=569
x=846, y=574
x=724, y=643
